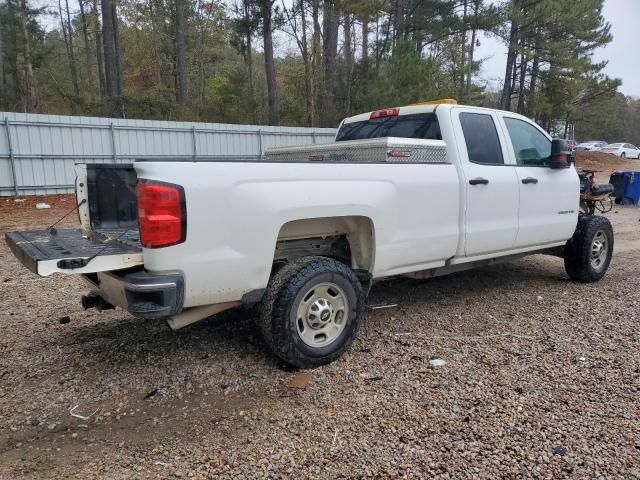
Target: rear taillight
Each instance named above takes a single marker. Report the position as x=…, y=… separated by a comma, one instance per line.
x=161, y=214
x=387, y=112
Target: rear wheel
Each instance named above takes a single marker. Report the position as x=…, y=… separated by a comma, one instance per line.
x=311, y=311
x=588, y=253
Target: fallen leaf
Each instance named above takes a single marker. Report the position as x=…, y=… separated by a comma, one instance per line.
x=300, y=380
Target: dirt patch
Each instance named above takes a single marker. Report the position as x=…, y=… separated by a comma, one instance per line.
x=22, y=212
x=541, y=380
x=604, y=163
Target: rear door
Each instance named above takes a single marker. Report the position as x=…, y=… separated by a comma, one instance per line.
x=549, y=198
x=491, y=210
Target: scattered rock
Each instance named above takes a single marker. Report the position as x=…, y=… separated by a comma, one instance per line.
x=64, y=320
x=42, y=205
x=151, y=394
x=437, y=362
x=560, y=451
x=380, y=411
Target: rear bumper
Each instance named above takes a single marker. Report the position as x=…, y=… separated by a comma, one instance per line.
x=143, y=294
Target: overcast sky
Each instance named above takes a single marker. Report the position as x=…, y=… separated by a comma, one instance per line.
x=623, y=53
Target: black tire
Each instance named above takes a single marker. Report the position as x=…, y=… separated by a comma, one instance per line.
x=580, y=260
x=284, y=295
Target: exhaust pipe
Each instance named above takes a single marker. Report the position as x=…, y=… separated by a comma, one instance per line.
x=93, y=300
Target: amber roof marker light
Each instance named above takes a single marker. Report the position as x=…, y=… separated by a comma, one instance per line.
x=448, y=101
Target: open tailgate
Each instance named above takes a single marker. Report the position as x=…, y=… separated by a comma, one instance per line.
x=109, y=238
x=72, y=251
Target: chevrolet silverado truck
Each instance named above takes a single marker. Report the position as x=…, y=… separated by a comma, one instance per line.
x=421, y=191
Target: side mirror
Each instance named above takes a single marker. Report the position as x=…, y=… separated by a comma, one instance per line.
x=560, y=155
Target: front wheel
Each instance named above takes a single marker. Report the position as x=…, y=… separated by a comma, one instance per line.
x=588, y=254
x=311, y=311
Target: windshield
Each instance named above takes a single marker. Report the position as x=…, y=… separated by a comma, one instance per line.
x=420, y=125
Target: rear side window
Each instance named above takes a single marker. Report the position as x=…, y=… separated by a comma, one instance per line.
x=530, y=145
x=481, y=137
x=420, y=125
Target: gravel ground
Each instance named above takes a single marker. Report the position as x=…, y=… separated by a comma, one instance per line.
x=542, y=380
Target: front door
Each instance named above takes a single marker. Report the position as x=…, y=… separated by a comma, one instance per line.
x=549, y=198
x=491, y=213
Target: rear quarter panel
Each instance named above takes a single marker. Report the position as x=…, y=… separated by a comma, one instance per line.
x=235, y=211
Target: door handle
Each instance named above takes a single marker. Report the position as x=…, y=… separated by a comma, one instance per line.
x=529, y=180
x=479, y=181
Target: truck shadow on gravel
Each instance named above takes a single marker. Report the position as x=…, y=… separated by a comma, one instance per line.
x=233, y=337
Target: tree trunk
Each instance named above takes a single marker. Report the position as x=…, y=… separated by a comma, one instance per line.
x=98, y=40
x=270, y=69
x=116, y=48
x=68, y=43
x=524, y=61
x=87, y=48
x=330, y=19
x=72, y=55
x=315, y=56
x=399, y=23
x=308, y=81
x=110, y=69
x=30, y=95
x=512, y=53
x=507, y=90
x=471, y=50
x=181, y=53
x=201, y=36
x=348, y=57
x=463, y=52
x=365, y=38
x=153, y=14
x=2, y=83
x=247, y=14
x=535, y=70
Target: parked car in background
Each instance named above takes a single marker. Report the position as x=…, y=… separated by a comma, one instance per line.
x=592, y=146
x=571, y=144
x=624, y=150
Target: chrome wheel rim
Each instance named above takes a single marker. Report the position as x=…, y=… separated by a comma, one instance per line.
x=322, y=314
x=599, y=250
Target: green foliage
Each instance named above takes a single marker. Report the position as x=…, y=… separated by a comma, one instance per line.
x=614, y=118
x=416, y=50
x=407, y=78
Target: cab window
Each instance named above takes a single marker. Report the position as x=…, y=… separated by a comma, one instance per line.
x=420, y=125
x=481, y=138
x=530, y=145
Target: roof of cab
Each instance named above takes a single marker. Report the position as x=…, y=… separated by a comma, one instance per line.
x=425, y=107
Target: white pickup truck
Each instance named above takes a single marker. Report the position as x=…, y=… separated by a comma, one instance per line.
x=422, y=190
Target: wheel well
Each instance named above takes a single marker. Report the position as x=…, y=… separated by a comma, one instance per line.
x=348, y=239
